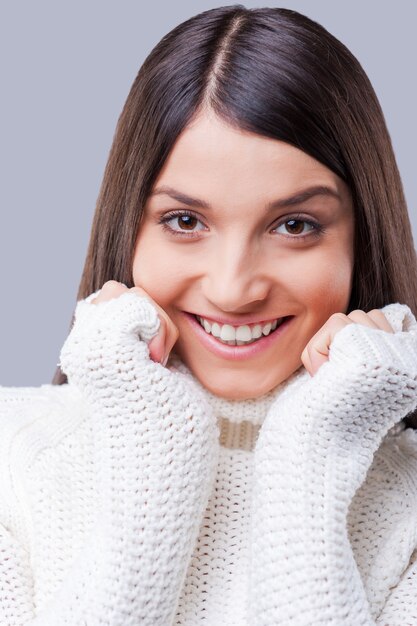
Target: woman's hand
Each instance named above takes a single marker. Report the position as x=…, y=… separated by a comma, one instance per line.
x=161, y=345
x=154, y=447
x=316, y=351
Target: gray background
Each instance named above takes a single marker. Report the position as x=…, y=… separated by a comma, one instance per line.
x=66, y=69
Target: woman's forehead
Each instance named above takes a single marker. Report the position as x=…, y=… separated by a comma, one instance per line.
x=213, y=159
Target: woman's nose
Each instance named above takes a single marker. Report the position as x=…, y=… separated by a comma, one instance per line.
x=235, y=280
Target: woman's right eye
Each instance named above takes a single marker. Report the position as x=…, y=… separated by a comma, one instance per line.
x=181, y=223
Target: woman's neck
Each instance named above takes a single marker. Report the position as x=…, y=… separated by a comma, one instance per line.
x=253, y=410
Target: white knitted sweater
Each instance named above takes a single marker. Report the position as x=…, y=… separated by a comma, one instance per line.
x=133, y=497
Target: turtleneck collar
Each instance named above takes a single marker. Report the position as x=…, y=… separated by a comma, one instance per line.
x=253, y=410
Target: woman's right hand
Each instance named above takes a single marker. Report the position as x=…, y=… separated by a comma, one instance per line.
x=154, y=445
x=161, y=345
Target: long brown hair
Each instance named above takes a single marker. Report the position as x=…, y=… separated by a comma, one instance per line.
x=279, y=74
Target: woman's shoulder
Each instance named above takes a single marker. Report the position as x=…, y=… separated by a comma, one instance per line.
x=38, y=416
x=391, y=482
x=41, y=435
x=15, y=400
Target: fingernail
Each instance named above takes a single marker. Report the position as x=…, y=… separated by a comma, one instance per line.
x=165, y=361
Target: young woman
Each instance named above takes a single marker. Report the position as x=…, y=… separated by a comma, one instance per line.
x=229, y=438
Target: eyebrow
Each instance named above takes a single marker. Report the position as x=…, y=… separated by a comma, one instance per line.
x=298, y=198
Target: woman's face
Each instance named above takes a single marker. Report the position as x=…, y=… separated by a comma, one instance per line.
x=243, y=230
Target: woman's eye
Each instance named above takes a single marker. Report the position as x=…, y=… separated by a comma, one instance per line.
x=185, y=223
x=300, y=227
x=182, y=223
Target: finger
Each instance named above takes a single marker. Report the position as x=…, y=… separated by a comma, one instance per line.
x=161, y=345
x=111, y=289
x=317, y=350
x=380, y=319
x=360, y=317
x=373, y=319
x=169, y=336
x=157, y=350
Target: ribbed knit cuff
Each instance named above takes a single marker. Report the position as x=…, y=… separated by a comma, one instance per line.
x=130, y=312
x=359, y=345
x=368, y=384
x=108, y=338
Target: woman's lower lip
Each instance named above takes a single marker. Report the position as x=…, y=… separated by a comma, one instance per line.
x=236, y=353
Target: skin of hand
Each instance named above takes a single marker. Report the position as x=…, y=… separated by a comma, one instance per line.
x=316, y=351
x=313, y=356
x=161, y=345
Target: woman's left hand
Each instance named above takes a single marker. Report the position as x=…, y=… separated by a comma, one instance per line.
x=316, y=351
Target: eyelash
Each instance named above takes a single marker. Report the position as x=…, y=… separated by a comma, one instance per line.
x=318, y=229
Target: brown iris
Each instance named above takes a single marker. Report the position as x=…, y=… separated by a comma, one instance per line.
x=297, y=226
x=187, y=222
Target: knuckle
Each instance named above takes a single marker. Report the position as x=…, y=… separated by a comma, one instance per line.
x=338, y=316
x=111, y=286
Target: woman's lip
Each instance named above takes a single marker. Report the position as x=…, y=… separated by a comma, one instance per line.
x=236, y=353
x=241, y=322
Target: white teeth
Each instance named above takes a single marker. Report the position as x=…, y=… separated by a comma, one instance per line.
x=257, y=331
x=241, y=335
x=267, y=329
x=216, y=330
x=227, y=333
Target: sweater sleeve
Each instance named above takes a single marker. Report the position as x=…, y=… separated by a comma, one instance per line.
x=16, y=605
x=156, y=446
x=313, y=452
x=401, y=606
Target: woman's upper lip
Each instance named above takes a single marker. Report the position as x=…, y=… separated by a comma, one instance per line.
x=242, y=321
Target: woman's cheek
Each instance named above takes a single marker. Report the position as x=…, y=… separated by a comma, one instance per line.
x=158, y=277
x=329, y=295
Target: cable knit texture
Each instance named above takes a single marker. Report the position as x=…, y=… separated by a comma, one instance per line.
x=132, y=496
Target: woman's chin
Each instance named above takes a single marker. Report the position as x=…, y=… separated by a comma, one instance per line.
x=235, y=386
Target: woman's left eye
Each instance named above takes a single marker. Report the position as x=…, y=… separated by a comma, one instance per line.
x=295, y=227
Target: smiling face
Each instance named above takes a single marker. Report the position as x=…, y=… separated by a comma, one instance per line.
x=244, y=230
